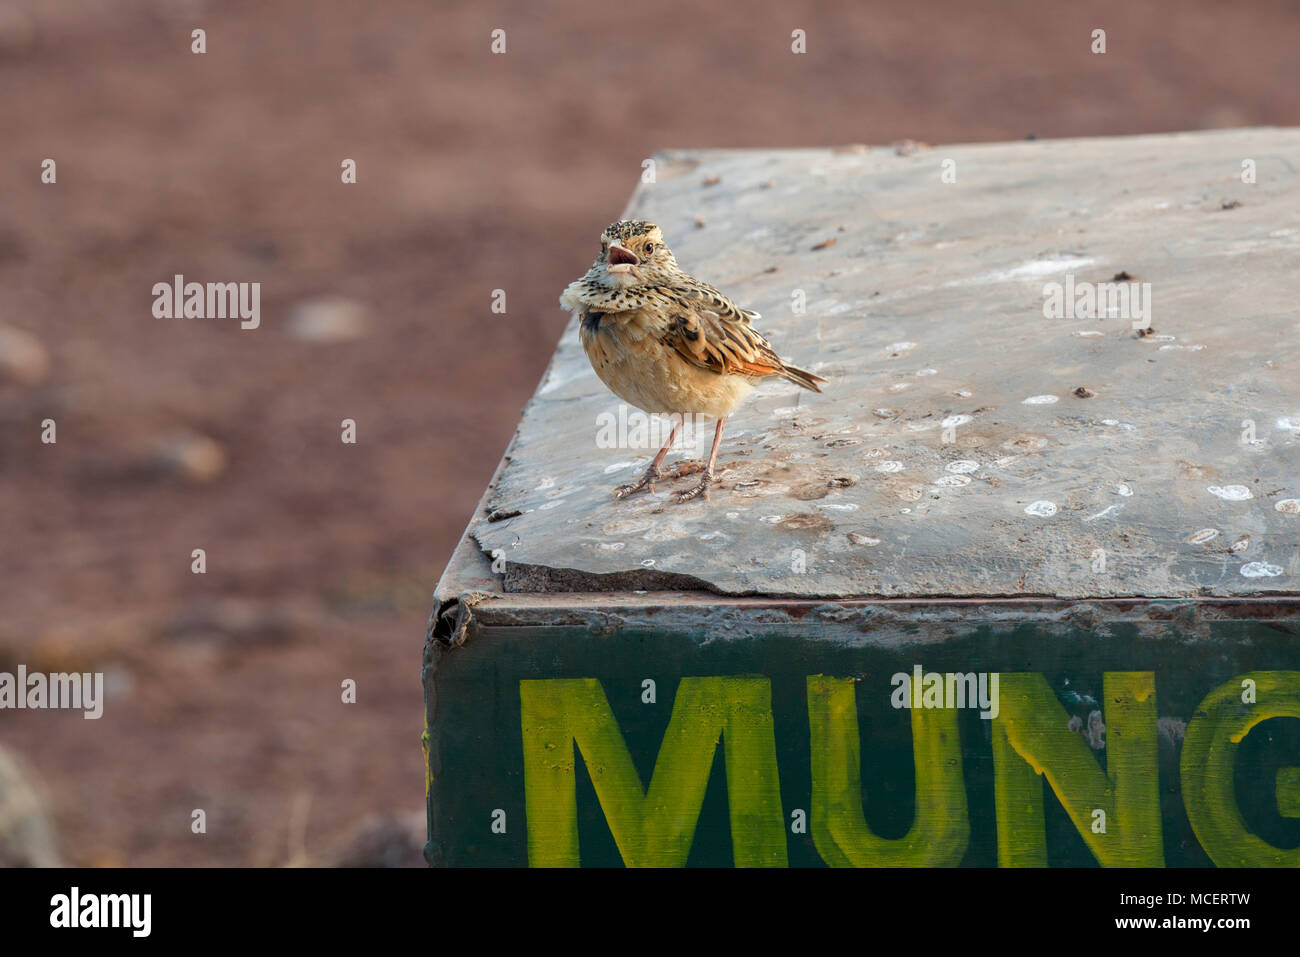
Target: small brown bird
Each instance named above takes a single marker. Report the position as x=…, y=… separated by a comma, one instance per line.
x=666, y=342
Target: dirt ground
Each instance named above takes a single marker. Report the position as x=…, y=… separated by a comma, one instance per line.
x=475, y=172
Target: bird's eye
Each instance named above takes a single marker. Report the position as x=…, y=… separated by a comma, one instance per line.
x=649, y=249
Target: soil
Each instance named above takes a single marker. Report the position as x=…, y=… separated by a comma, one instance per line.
x=475, y=172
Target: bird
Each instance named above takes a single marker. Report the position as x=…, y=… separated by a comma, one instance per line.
x=668, y=343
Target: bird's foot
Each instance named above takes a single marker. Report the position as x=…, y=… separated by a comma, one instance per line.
x=646, y=481
x=699, y=491
x=683, y=469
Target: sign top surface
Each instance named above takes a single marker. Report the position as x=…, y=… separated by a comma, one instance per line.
x=967, y=444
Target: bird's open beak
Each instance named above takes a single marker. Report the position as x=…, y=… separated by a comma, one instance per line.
x=619, y=256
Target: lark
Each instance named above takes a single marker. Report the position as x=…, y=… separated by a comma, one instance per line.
x=667, y=343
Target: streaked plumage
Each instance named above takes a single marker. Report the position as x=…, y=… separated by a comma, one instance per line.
x=666, y=342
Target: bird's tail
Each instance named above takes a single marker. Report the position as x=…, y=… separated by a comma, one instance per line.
x=801, y=378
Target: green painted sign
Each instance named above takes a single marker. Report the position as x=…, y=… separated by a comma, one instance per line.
x=1013, y=745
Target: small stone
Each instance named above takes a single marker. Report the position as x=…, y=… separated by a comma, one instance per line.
x=327, y=320
x=26, y=834
x=23, y=358
x=190, y=456
x=825, y=244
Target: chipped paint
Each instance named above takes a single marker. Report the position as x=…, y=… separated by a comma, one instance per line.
x=1230, y=493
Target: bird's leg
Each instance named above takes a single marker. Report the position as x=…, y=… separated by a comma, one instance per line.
x=647, y=481
x=703, y=488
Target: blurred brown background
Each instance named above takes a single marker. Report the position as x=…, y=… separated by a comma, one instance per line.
x=475, y=172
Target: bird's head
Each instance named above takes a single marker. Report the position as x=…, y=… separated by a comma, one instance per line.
x=633, y=253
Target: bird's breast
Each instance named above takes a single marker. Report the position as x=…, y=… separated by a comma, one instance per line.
x=638, y=366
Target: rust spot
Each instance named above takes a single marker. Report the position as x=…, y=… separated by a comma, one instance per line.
x=1193, y=471
x=806, y=522
x=809, y=491
x=1025, y=442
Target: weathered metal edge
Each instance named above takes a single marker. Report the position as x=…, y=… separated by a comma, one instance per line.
x=882, y=620
x=469, y=596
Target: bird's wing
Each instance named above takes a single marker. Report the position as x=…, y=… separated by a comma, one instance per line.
x=710, y=331
x=715, y=301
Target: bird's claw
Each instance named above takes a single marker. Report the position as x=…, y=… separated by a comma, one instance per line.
x=645, y=482
x=699, y=491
